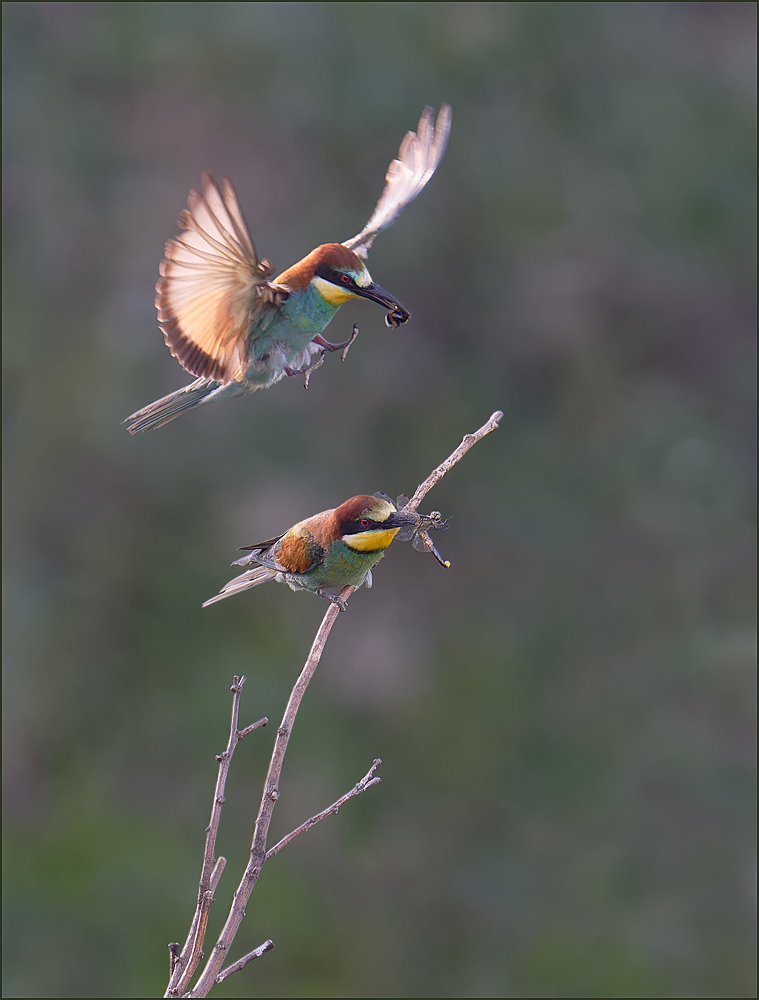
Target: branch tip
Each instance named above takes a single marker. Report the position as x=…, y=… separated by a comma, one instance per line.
x=218, y=870
x=174, y=948
x=249, y=729
x=468, y=442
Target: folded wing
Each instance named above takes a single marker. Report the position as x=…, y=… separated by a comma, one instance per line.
x=407, y=175
x=210, y=284
x=253, y=578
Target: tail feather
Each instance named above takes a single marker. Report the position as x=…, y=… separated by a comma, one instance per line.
x=252, y=578
x=163, y=410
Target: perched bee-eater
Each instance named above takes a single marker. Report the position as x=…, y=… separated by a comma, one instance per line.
x=336, y=548
x=236, y=330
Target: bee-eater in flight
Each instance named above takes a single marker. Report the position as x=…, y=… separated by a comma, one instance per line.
x=337, y=548
x=236, y=330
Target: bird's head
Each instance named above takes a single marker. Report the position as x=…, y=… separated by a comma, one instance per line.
x=368, y=524
x=338, y=274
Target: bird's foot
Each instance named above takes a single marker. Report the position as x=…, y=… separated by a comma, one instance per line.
x=307, y=371
x=344, y=346
x=343, y=605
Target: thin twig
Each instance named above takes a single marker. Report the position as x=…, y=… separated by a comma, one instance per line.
x=212, y=972
x=218, y=871
x=242, y=962
x=469, y=441
x=366, y=782
x=183, y=966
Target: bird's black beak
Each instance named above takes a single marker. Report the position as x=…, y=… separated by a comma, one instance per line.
x=396, y=315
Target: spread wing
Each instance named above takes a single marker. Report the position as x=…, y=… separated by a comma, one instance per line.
x=407, y=175
x=209, y=284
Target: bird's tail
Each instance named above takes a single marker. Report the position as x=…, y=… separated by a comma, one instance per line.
x=252, y=578
x=166, y=409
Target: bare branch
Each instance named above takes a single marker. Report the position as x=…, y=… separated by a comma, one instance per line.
x=366, y=782
x=469, y=441
x=190, y=957
x=183, y=965
x=242, y=962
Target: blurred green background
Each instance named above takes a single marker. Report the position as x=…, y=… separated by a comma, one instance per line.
x=566, y=716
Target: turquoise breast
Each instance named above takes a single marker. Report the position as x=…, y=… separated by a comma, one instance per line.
x=280, y=335
x=300, y=318
x=343, y=566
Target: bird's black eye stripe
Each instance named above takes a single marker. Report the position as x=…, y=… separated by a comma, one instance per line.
x=336, y=277
x=362, y=524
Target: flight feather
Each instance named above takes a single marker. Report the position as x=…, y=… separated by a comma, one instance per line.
x=211, y=284
x=417, y=160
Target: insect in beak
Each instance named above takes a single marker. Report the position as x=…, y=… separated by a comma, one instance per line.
x=397, y=314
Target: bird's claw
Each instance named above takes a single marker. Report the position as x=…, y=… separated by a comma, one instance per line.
x=347, y=346
x=307, y=371
x=334, y=598
x=325, y=345
x=344, y=346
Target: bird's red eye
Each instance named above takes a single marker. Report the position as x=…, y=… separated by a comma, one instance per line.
x=364, y=522
x=345, y=279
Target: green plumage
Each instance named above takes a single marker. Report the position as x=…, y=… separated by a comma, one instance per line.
x=342, y=566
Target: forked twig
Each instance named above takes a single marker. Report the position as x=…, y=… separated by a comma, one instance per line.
x=268, y=800
x=183, y=965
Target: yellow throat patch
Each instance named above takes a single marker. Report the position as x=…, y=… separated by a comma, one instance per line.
x=370, y=541
x=332, y=294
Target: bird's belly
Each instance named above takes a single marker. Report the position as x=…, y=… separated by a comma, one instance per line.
x=283, y=335
x=347, y=568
